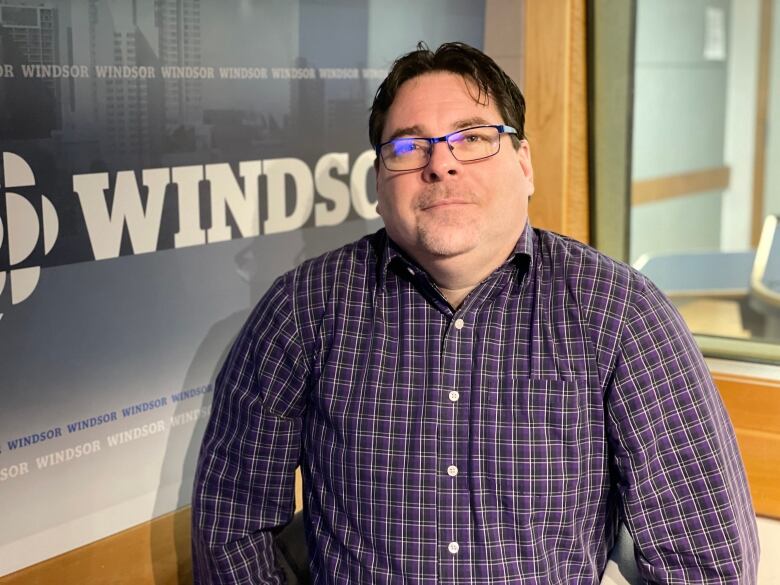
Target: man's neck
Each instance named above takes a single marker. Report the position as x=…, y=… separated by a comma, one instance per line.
x=457, y=276
x=456, y=297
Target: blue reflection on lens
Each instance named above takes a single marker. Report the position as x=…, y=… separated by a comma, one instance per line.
x=402, y=147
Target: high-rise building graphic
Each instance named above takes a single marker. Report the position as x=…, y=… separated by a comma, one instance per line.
x=113, y=46
x=33, y=29
x=179, y=29
x=127, y=108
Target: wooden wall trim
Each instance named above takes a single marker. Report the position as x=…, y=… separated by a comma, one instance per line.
x=556, y=118
x=753, y=403
x=754, y=407
x=671, y=186
x=761, y=453
x=762, y=109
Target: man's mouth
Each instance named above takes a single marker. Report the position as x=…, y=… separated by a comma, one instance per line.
x=445, y=203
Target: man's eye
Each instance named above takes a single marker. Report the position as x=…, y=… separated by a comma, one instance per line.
x=404, y=147
x=466, y=139
x=474, y=138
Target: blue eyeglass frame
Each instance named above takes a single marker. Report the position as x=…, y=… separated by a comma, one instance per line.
x=502, y=129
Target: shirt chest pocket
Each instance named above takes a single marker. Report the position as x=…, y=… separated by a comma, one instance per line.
x=531, y=441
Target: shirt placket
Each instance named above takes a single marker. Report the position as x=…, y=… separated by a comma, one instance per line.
x=453, y=506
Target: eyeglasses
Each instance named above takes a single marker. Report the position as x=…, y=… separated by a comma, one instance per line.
x=467, y=145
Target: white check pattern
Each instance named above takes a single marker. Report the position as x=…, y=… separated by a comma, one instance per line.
x=498, y=443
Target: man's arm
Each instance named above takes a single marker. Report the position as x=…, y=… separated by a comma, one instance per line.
x=685, y=496
x=244, y=482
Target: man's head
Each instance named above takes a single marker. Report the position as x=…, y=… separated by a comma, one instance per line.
x=452, y=210
x=488, y=78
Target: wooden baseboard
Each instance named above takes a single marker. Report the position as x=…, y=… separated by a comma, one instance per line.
x=153, y=553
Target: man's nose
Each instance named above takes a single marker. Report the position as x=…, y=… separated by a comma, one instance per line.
x=441, y=164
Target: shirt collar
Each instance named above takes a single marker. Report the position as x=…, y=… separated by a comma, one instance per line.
x=390, y=255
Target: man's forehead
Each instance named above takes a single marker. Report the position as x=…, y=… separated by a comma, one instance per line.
x=445, y=81
x=429, y=98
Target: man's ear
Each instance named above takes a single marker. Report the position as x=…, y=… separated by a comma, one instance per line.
x=523, y=153
x=376, y=179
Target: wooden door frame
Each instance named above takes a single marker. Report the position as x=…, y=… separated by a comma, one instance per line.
x=556, y=93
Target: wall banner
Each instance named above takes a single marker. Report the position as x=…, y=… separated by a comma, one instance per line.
x=161, y=163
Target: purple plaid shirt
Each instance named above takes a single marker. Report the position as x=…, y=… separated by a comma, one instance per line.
x=497, y=443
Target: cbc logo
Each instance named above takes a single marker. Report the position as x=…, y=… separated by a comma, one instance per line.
x=23, y=228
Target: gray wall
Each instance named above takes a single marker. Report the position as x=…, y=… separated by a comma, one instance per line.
x=679, y=123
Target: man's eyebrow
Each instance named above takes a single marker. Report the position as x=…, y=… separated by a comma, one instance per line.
x=408, y=131
x=458, y=125
x=469, y=122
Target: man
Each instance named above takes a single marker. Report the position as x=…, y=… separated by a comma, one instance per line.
x=470, y=400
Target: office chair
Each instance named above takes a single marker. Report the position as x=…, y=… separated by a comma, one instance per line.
x=293, y=557
x=764, y=290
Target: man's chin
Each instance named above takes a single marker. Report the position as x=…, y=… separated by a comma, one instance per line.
x=447, y=246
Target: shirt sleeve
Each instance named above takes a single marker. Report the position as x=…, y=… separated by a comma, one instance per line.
x=244, y=482
x=681, y=479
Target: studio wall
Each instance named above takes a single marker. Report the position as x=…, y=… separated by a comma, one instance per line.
x=163, y=161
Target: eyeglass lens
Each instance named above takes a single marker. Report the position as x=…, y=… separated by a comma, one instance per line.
x=466, y=145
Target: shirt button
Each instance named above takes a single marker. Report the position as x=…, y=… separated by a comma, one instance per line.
x=410, y=270
x=453, y=547
x=452, y=471
x=459, y=323
x=454, y=395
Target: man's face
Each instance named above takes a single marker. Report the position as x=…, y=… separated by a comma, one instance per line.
x=452, y=208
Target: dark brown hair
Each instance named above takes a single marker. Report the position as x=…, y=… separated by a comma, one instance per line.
x=458, y=58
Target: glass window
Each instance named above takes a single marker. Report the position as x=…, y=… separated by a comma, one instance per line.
x=703, y=182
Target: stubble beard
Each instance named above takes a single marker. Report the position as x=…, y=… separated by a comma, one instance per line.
x=447, y=231
x=449, y=234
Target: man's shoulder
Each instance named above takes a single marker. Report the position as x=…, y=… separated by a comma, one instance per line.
x=352, y=265
x=305, y=291
x=585, y=269
x=563, y=252
x=361, y=254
